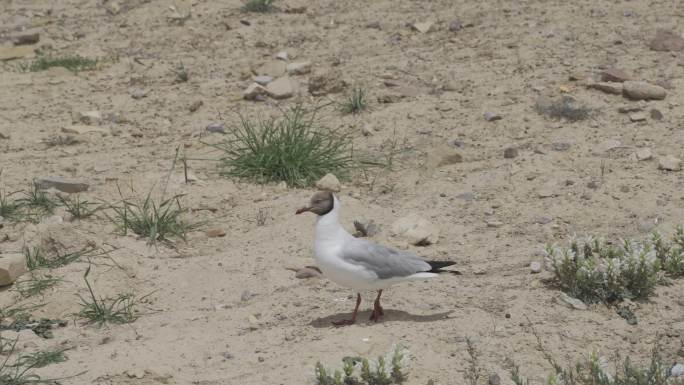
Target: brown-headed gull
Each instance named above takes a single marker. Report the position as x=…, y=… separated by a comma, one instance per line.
x=358, y=263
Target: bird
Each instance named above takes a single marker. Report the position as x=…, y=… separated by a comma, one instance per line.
x=358, y=263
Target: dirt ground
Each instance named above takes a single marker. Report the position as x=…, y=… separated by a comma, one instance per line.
x=226, y=310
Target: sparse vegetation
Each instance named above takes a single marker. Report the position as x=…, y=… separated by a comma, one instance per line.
x=20, y=371
x=61, y=140
x=293, y=149
x=79, y=209
x=473, y=371
x=73, y=63
x=37, y=201
x=9, y=209
x=37, y=258
x=152, y=220
x=181, y=72
x=258, y=6
x=594, y=270
x=35, y=284
x=119, y=310
x=357, y=371
x=565, y=107
x=355, y=102
x=42, y=358
x=594, y=372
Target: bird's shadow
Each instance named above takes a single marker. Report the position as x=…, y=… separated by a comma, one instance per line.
x=390, y=316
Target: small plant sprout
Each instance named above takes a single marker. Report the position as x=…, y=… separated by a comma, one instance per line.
x=75, y=63
x=38, y=200
x=79, y=209
x=565, y=107
x=118, y=310
x=19, y=370
x=359, y=371
x=355, y=102
x=293, y=149
x=258, y=6
x=181, y=72
x=36, y=284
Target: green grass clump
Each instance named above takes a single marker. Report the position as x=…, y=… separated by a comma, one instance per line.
x=156, y=221
x=593, y=372
x=36, y=257
x=293, y=149
x=355, y=102
x=357, y=371
x=594, y=270
x=10, y=209
x=37, y=201
x=19, y=371
x=43, y=358
x=565, y=107
x=181, y=72
x=79, y=209
x=73, y=63
x=36, y=284
x=118, y=310
x=258, y=6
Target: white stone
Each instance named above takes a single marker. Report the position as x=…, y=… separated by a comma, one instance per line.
x=644, y=153
x=423, y=27
x=254, y=91
x=90, y=117
x=572, y=302
x=12, y=266
x=669, y=163
x=535, y=267
x=282, y=55
x=263, y=79
x=415, y=230
x=299, y=68
x=677, y=370
x=281, y=88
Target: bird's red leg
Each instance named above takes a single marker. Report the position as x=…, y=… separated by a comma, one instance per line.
x=377, y=309
x=351, y=321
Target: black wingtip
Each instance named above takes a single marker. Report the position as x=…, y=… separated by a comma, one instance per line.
x=436, y=266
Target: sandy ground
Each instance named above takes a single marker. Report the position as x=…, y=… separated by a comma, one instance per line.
x=199, y=323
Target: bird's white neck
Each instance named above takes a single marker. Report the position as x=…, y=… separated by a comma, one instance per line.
x=328, y=226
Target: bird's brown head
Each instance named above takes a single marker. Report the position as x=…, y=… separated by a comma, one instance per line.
x=321, y=203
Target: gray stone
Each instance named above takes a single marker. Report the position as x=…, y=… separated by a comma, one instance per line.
x=227, y=355
x=491, y=116
x=415, y=230
x=572, y=302
x=216, y=127
x=615, y=75
x=666, y=40
x=466, y=196
x=455, y=25
x=510, y=152
x=373, y=25
x=644, y=153
x=299, y=68
x=677, y=371
x=637, y=117
x=281, y=88
x=328, y=183
x=669, y=163
x=423, y=27
x=138, y=94
x=12, y=266
x=535, y=267
x=638, y=90
x=262, y=80
x=560, y=146
x=494, y=379
x=494, y=224
x=307, y=272
x=61, y=184
x=656, y=114
x=273, y=68
x=254, y=92
x=608, y=87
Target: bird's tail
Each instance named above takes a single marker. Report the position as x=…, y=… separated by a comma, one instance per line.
x=436, y=267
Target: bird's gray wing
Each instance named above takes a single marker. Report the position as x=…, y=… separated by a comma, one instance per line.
x=383, y=261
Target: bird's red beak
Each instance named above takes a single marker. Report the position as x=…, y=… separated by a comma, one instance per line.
x=303, y=210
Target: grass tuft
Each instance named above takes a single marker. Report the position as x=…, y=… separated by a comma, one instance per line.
x=73, y=63
x=36, y=258
x=9, y=209
x=79, y=209
x=355, y=102
x=37, y=201
x=357, y=371
x=293, y=149
x=20, y=370
x=565, y=107
x=181, y=72
x=118, y=310
x=35, y=285
x=258, y=6
x=152, y=220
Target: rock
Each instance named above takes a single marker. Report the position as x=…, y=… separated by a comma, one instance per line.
x=216, y=232
x=644, y=154
x=615, y=75
x=608, y=87
x=282, y=55
x=216, y=127
x=281, y=88
x=560, y=146
x=10, y=52
x=4, y=135
x=373, y=25
x=669, y=163
x=138, y=94
x=491, y=116
x=535, y=267
x=227, y=355
x=26, y=38
x=365, y=229
x=90, y=117
x=494, y=378
x=135, y=373
x=510, y=152
x=450, y=158
x=547, y=190
x=666, y=40
x=416, y=230
x=656, y=114
x=299, y=68
x=495, y=224
x=455, y=25
x=423, y=27
x=677, y=371
x=466, y=196
x=12, y=266
x=194, y=106
x=63, y=185
x=255, y=92
x=637, y=117
x=262, y=80
x=274, y=69
x=80, y=129
x=307, y=272
x=572, y=303
x=643, y=91
x=327, y=83
x=328, y=183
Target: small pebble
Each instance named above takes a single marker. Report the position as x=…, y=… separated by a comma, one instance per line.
x=656, y=114
x=455, y=25
x=227, y=355
x=535, y=267
x=491, y=116
x=216, y=127
x=510, y=152
x=560, y=146
x=494, y=378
